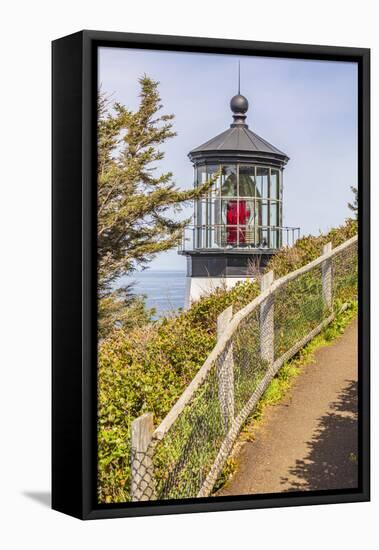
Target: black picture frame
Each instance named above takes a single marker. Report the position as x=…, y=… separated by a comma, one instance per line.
x=74, y=88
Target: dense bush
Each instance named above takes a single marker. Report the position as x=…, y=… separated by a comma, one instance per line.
x=148, y=368
x=309, y=248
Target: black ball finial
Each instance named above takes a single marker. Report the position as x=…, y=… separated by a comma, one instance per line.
x=239, y=104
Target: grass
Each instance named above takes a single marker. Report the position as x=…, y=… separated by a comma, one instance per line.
x=282, y=382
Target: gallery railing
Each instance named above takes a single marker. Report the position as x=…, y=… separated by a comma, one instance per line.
x=184, y=456
x=244, y=237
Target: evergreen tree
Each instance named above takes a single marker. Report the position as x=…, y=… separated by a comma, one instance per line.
x=135, y=203
x=354, y=206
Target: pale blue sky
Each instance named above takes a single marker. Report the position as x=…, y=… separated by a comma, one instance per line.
x=308, y=109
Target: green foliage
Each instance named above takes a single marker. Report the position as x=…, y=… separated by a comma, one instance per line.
x=227, y=472
x=119, y=309
x=148, y=367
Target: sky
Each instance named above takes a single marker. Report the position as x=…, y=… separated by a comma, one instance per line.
x=307, y=109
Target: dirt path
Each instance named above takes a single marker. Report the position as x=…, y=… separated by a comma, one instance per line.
x=309, y=440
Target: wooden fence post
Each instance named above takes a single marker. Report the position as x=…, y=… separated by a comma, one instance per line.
x=142, y=483
x=327, y=277
x=225, y=372
x=267, y=320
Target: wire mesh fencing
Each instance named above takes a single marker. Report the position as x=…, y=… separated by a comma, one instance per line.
x=184, y=456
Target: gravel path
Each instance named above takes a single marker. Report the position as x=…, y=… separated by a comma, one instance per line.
x=309, y=440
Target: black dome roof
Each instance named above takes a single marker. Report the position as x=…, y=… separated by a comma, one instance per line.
x=238, y=143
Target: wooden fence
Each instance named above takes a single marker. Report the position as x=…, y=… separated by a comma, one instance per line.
x=146, y=483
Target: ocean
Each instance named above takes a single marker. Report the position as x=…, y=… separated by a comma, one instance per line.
x=164, y=290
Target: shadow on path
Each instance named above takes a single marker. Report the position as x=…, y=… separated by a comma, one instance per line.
x=333, y=451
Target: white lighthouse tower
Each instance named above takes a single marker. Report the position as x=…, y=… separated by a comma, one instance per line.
x=239, y=221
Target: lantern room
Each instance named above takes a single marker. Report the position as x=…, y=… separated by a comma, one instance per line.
x=239, y=220
x=243, y=209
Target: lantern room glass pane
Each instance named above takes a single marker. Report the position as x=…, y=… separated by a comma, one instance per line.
x=229, y=181
x=262, y=181
x=274, y=213
x=212, y=170
x=201, y=175
x=264, y=213
x=274, y=184
x=247, y=183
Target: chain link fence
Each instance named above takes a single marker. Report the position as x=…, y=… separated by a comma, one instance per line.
x=184, y=456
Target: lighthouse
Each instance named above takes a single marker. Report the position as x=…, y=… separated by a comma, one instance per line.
x=237, y=224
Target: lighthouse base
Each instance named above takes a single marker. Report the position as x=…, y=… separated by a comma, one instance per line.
x=196, y=287
x=208, y=270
